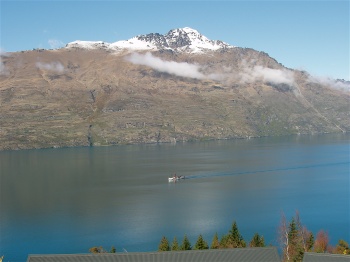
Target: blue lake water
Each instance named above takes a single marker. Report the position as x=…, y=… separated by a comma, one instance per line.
x=64, y=201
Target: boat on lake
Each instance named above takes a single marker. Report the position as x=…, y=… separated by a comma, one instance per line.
x=175, y=178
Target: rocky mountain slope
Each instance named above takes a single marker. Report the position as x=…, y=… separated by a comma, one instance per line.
x=159, y=88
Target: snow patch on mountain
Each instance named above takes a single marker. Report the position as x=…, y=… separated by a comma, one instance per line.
x=133, y=44
x=87, y=44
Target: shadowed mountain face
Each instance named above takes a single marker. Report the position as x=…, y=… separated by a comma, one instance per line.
x=84, y=97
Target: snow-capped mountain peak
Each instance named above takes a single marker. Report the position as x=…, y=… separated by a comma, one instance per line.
x=191, y=40
x=188, y=33
x=179, y=40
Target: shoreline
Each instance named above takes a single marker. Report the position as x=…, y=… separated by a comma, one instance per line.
x=171, y=142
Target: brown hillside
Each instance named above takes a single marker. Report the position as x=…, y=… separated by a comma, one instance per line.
x=100, y=98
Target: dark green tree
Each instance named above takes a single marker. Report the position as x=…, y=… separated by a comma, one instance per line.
x=215, y=244
x=295, y=242
x=113, y=250
x=310, y=241
x=186, y=245
x=235, y=239
x=201, y=243
x=175, y=245
x=257, y=241
x=294, y=238
x=164, y=244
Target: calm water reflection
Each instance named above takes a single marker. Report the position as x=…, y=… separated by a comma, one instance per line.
x=68, y=200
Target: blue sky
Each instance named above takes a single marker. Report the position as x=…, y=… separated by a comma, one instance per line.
x=308, y=35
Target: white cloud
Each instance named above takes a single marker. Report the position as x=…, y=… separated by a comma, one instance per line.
x=171, y=67
x=55, y=43
x=3, y=69
x=3, y=52
x=246, y=74
x=53, y=66
x=337, y=84
x=254, y=73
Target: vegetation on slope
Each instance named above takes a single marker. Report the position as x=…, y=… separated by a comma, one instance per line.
x=294, y=239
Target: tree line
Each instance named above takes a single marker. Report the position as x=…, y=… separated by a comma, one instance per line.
x=231, y=240
x=294, y=240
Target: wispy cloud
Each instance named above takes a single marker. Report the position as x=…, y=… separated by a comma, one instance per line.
x=246, y=73
x=3, y=69
x=171, y=67
x=55, y=43
x=337, y=84
x=265, y=74
x=53, y=66
x=3, y=52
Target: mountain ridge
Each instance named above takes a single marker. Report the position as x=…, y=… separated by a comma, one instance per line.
x=94, y=96
x=179, y=40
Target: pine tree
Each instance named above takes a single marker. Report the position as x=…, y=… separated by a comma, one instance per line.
x=310, y=241
x=262, y=241
x=113, y=249
x=215, y=243
x=296, y=248
x=175, y=245
x=257, y=241
x=201, y=243
x=164, y=244
x=224, y=241
x=186, y=245
x=235, y=238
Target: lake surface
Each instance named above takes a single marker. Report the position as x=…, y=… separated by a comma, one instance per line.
x=67, y=200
